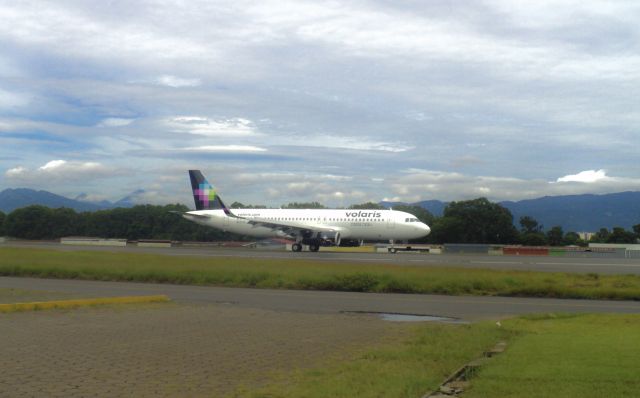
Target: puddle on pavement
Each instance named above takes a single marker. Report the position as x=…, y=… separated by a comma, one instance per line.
x=395, y=317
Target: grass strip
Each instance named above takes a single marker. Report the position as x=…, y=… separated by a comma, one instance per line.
x=312, y=275
x=407, y=367
x=551, y=355
x=67, y=304
x=587, y=356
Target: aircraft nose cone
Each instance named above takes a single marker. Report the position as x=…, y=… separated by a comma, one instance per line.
x=426, y=229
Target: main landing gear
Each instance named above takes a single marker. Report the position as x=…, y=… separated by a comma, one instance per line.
x=313, y=246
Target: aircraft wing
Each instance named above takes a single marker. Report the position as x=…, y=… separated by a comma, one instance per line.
x=292, y=229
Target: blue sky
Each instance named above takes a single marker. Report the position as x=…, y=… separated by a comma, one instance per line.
x=338, y=102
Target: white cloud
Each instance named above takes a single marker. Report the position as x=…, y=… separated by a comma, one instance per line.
x=10, y=99
x=115, y=122
x=177, y=82
x=358, y=143
x=16, y=172
x=587, y=176
x=225, y=148
x=53, y=165
x=91, y=198
x=56, y=171
x=231, y=127
x=69, y=30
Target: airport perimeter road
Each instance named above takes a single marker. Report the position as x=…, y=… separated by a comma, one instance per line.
x=469, y=308
x=600, y=265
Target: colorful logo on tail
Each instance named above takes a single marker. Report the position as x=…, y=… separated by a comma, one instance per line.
x=205, y=193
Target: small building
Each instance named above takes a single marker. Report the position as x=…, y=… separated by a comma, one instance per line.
x=626, y=246
x=626, y=250
x=585, y=236
x=466, y=248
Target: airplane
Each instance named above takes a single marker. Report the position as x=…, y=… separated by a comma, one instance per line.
x=311, y=227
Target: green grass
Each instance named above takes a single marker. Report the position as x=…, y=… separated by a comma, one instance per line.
x=312, y=275
x=409, y=367
x=547, y=356
x=570, y=356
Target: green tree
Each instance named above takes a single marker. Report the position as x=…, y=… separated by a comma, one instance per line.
x=304, y=205
x=139, y=222
x=555, y=236
x=572, y=238
x=620, y=235
x=529, y=225
x=601, y=236
x=447, y=230
x=31, y=222
x=475, y=221
x=636, y=230
x=65, y=222
x=238, y=205
x=421, y=213
x=533, y=239
x=2, y=218
x=367, y=205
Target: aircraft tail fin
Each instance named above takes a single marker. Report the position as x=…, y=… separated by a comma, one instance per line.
x=204, y=195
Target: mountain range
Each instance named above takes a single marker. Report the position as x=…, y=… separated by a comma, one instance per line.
x=580, y=213
x=11, y=199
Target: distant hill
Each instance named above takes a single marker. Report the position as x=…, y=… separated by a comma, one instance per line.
x=130, y=200
x=11, y=199
x=83, y=197
x=434, y=207
x=580, y=213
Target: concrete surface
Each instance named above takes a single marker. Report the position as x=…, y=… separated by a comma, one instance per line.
x=468, y=308
x=166, y=350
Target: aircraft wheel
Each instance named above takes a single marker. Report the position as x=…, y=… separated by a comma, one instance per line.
x=314, y=247
x=296, y=247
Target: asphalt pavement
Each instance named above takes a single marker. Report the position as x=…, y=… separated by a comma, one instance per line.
x=468, y=308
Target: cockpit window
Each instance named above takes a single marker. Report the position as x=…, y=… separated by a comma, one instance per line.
x=411, y=220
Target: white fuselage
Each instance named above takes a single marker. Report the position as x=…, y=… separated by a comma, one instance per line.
x=349, y=224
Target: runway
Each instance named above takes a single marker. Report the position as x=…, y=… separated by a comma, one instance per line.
x=467, y=308
x=600, y=265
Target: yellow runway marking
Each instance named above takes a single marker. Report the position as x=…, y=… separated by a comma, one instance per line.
x=59, y=304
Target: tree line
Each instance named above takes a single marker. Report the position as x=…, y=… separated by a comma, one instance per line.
x=138, y=222
x=470, y=221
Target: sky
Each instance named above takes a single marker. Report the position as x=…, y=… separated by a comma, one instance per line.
x=340, y=102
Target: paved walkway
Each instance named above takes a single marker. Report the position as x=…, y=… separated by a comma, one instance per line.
x=168, y=349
